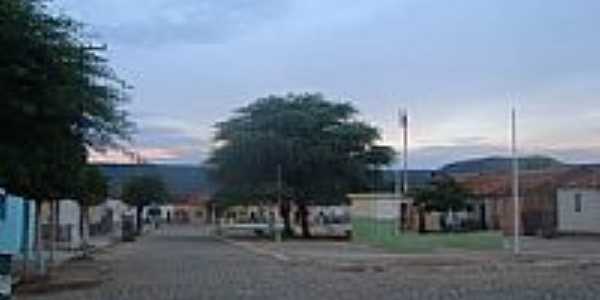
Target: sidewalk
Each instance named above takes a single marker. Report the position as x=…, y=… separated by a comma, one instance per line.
x=96, y=243
x=70, y=269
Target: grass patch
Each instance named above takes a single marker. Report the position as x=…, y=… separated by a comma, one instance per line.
x=381, y=234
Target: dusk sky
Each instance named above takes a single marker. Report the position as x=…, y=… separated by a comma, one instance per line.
x=457, y=66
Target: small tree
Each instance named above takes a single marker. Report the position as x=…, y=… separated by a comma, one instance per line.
x=444, y=195
x=141, y=191
x=93, y=191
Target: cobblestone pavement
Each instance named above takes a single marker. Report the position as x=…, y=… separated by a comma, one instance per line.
x=184, y=263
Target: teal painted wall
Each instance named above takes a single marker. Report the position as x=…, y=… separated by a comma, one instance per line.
x=17, y=225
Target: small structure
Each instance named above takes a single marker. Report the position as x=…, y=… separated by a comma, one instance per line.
x=578, y=210
x=578, y=205
x=381, y=207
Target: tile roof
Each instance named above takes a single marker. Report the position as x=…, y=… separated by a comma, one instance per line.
x=500, y=184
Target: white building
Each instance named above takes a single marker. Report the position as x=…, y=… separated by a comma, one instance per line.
x=578, y=210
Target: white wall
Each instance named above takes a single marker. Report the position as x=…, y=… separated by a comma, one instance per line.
x=586, y=221
x=378, y=206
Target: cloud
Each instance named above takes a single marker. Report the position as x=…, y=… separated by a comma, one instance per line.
x=148, y=154
x=161, y=139
x=159, y=22
x=451, y=63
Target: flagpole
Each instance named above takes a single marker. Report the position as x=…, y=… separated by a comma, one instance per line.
x=515, y=185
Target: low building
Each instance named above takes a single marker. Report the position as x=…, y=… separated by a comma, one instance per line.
x=578, y=205
x=578, y=210
x=539, y=197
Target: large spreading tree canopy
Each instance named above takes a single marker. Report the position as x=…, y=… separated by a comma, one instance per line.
x=317, y=147
x=59, y=99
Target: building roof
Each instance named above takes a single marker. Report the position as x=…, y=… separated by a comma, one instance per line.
x=184, y=182
x=500, y=184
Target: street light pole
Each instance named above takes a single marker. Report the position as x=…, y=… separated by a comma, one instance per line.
x=515, y=185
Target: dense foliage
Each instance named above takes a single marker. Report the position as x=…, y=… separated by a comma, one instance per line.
x=316, y=147
x=59, y=98
x=93, y=188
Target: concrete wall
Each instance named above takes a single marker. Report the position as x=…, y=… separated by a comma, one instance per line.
x=68, y=220
x=585, y=221
x=17, y=232
x=378, y=206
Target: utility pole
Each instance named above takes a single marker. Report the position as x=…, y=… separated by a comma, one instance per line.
x=401, y=188
x=515, y=185
x=401, y=184
x=405, y=153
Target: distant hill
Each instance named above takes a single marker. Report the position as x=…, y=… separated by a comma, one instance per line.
x=181, y=180
x=500, y=164
x=415, y=178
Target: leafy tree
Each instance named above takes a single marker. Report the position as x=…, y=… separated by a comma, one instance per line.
x=377, y=157
x=322, y=151
x=59, y=98
x=93, y=191
x=141, y=191
x=444, y=195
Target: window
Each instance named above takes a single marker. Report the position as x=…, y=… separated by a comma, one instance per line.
x=577, y=202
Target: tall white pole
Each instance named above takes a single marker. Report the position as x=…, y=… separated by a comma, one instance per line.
x=515, y=185
x=405, y=154
x=397, y=172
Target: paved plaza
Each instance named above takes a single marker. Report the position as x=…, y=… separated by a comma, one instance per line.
x=187, y=263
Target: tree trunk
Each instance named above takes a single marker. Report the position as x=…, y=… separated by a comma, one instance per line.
x=38, y=240
x=284, y=209
x=26, y=238
x=84, y=229
x=81, y=221
x=304, y=220
x=52, y=226
x=421, y=219
x=138, y=219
